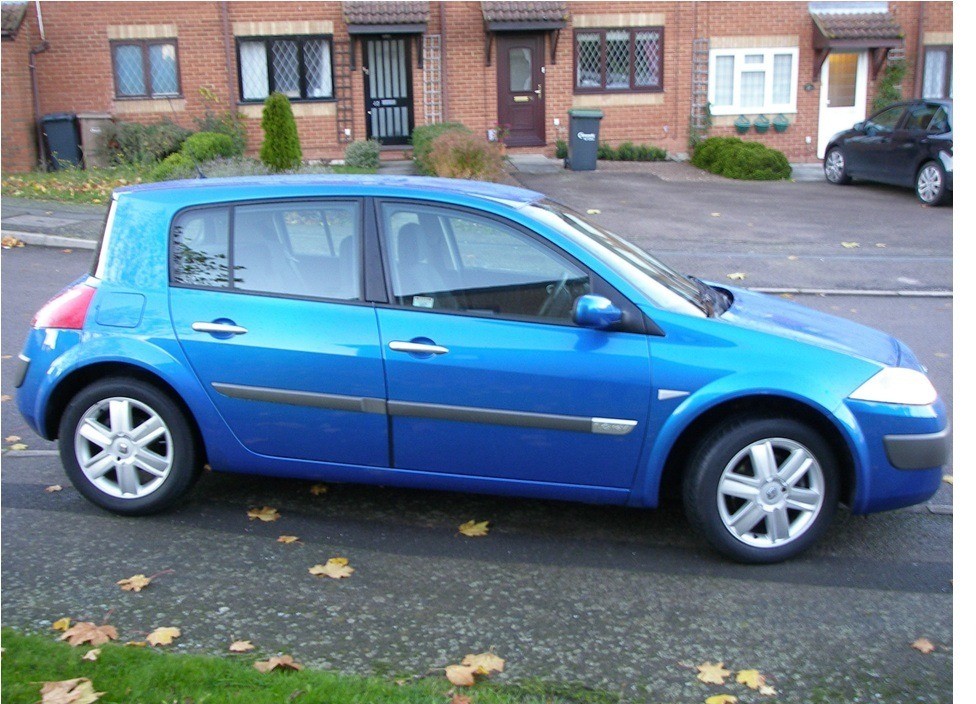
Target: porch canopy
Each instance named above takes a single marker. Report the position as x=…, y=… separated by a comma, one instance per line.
x=386, y=17
x=523, y=17
x=837, y=30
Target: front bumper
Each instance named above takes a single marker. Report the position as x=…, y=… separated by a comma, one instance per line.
x=918, y=451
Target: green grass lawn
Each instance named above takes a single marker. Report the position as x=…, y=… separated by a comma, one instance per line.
x=152, y=676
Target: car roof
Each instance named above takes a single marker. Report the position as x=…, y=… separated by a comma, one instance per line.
x=210, y=190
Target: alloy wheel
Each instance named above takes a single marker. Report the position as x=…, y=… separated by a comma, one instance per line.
x=834, y=166
x=929, y=183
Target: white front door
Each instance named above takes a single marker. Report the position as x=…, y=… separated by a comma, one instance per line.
x=843, y=94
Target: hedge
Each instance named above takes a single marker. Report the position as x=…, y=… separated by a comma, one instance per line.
x=733, y=158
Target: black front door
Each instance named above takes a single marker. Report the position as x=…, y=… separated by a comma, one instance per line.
x=521, y=88
x=388, y=79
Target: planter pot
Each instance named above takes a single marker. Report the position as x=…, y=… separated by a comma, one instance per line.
x=780, y=123
x=742, y=124
x=761, y=124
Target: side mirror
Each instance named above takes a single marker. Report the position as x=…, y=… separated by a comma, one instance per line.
x=596, y=312
x=859, y=126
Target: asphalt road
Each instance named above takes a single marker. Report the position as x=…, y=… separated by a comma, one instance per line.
x=615, y=599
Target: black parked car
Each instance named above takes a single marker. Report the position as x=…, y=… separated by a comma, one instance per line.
x=906, y=144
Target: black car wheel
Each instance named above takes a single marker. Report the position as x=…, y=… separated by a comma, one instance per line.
x=835, y=166
x=930, y=183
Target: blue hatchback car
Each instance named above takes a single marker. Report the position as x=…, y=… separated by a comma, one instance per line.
x=462, y=336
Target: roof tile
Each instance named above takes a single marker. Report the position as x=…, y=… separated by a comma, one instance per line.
x=386, y=12
x=524, y=11
x=866, y=25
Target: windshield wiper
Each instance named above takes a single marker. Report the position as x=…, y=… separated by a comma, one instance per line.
x=706, y=296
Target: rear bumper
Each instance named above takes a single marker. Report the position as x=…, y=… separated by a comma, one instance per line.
x=918, y=451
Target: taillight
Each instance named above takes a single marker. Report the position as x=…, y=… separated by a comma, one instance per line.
x=67, y=310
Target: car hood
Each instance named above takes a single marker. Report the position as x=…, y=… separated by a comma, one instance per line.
x=776, y=316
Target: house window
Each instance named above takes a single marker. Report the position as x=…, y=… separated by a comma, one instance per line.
x=609, y=60
x=937, y=76
x=145, y=69
x=752, y=80
x=299, y=67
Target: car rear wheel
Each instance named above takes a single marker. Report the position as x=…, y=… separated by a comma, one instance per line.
x=835, y=167
x=930, y=183
x=761, y=490
x=127, y=447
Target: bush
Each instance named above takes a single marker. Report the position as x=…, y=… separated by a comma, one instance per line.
x=363, y=154
x=457, y=154
x=135, y=143
x=628, y=151
x=423, y=138
x=648, y=152
x=175, y=166
x=204, y=146
x=733, y=158
x=281, y=149
x=562, y=149
x=605, y=152
x=230, y=123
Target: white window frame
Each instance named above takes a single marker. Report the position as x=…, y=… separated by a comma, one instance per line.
x=739, y=65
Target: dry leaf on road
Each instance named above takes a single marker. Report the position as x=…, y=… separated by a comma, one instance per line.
x=460, y=675
x=54, y=487
x=473, y=530
x=335, y=568
x=318, y=489
x=850, y=245
x=282, y=662
x=11, y=438
x=8, y=241
x=287, y=538
x=18, y=446
x=92, y=655
x=265, y=513
x=947, y=478
x=163, y=635
x=62, y=624
x=923, y=645
x=88, y=632
x=736, y=276
x=241, y=646
x=712, y=673
x=722, y=699
x=76, y=691
x=135, y=583
x=484, y=663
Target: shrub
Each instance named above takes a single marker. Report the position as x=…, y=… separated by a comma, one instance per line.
x=606, y=152
x=733, y=158
x=457, y=154
x=423, y=138
x=136, y=143
x=281, y=149
x=175, y=166
x=648, y=152
x=627, y=152
x=562, y=149
x=889, y=87
x=230, y=123
x=363, y=154
x=204, y=146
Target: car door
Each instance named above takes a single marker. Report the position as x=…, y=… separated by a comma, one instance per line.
x=908, y=143
x=869, y=153
x=487, y=375
x=286, y=348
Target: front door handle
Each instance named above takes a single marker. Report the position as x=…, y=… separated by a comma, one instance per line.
x=218, y=328
x=417, y=348
x=538, y=90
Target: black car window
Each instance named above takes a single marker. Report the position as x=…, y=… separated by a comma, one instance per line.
x=886, y=120
x=940, y=122
x=921, y=116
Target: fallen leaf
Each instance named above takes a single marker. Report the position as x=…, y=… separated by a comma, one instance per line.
x=18, y=446
x=8, y=242
x=767, y=691
x=335, y=568
x=266, y=514
x=135, y=583
x=318, y=489
x=736, y=276
x=53, y=488
x=850, y=245
x=923, y=645
x=750, y=678
x=6, y=397
x=241, y=646
x=11, y=438
x=880, y=244
x=715, y=215
x=136, y=643
x=62, y=624
x=792, y=257
x=947, y=478
x=473, y=530
x=163, y=635
x=460, y=675
x=66, y=251
x=722, y=699
x=484, y=663
x=460, y=699
x=712, y=673
x=88, y=632
x=287, y=538
x=76, y=691
x=282, y=662
x=92, y=655
x=592, y=211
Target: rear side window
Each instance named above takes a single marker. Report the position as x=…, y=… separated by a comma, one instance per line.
x=200, y=256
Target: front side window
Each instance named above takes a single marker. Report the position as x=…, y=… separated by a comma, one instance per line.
x=752, y=80
x=145, y=69
x=299, y=67
x=609, y=60
x=886, y=120
x=937, y=74
x=445, y=259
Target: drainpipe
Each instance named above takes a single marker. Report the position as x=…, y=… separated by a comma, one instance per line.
x=919, y=51
x=231, y=89
x=32, y=66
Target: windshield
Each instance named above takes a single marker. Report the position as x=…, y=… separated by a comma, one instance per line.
x=662, y=285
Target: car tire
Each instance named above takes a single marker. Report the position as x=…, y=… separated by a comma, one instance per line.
x=930, y=184
x=761, y=490
x=128, y=447
x=835, y=167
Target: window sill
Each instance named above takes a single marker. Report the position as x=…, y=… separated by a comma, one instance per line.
x=754, y=112
x=135, y=106
x=599, y=100
x=306, y=108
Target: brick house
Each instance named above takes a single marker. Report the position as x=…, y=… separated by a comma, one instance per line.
x=358, y=70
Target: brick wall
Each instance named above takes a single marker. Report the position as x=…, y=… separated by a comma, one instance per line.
x=19, y=152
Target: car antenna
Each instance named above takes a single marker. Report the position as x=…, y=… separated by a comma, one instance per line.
x=196, y=166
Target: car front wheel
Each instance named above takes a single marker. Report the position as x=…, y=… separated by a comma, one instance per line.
x=835, y=167
x=761, y=490
x=127, y=447
x=930, y=184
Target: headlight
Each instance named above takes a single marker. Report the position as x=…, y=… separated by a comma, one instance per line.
x=897, y=385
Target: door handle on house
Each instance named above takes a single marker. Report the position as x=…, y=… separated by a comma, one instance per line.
x=417, y=347
x=538, y=90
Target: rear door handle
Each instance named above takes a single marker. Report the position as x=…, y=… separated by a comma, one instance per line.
x=417, y=348
x=218, y=328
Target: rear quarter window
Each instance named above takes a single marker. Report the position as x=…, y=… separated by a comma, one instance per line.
x=200, y=246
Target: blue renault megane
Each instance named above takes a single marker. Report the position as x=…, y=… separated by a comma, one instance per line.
x=461, y=336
